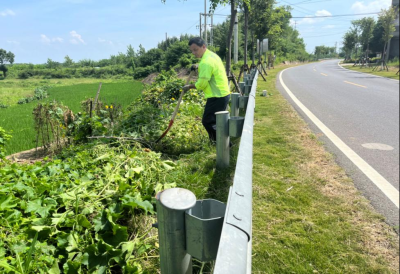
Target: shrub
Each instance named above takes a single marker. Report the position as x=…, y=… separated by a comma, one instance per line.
x=23, y=75
x=39, y=93
x=143, y=72
x=185, y=61
x=4, y=137
x=3, y=105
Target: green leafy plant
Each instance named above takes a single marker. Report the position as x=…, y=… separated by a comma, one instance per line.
x=4, y=137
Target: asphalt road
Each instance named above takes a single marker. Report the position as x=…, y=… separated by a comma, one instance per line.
x=362, y=113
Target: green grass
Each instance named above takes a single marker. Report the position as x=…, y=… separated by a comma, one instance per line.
x=307, y=215
x=11, y=90
x=388, y=74
x=18, y=119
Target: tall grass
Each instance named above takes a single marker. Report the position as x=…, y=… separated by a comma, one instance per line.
x=18, y=119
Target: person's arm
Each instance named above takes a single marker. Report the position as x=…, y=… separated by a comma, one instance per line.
x=205, y=73
x=204, y=78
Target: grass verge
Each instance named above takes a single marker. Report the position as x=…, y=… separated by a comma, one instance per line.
x=18, y=119
x=388, y=74
x=307, y=215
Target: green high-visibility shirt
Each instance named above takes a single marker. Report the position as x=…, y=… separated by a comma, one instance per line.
x=212, y=76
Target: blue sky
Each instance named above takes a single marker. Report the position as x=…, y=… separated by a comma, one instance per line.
x=89, y=29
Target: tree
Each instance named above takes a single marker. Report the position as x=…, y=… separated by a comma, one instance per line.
x=324, y=51
x=52, y=64
x=175, y=52
x=232, y=3
x=267, y=21
x=5, y=57
x=349, y=43
x=387, y=18
x=366, y=26
x=68, y=62
x=131, y=56
x=377, y=42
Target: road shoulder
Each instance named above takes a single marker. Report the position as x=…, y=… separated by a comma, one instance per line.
x=308, y=216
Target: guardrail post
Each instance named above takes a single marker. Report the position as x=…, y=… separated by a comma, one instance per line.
x=241, y=85
x=243, y=100
x=235, y=104
x=222, y=139
x=171, y=207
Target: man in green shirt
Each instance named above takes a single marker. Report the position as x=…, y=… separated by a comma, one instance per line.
x=212, y=81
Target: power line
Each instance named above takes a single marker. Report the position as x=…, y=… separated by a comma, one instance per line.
x=339, y=15
x=323, y=35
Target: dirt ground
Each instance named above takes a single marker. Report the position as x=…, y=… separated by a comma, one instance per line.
x=29, y=156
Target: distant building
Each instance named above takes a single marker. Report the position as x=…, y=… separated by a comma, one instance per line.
x=394, y=43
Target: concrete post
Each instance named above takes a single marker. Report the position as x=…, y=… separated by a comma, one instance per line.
x=235, y=104
x=171, y=207
x=222, y=139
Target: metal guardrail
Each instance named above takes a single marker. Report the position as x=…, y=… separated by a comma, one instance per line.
x=188, y=227
x=235, y=247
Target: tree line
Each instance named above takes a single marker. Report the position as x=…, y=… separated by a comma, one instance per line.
x=367, y=37
x=260, y=19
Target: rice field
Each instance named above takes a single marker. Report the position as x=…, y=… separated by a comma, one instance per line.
x=17, y=119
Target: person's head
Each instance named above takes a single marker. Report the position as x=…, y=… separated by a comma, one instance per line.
x=197, y=46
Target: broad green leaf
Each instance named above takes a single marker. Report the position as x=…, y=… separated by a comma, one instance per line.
x=103, y=222
x=6, y=202
x=115, y=237
x=13, y=217
x=72, y=267
x=127, y=249
x=98, y=257
x=2, y=252
x=5, y=265
x=41, y=207
x=82, y=221
x=62, y=239
x=73, y=242
x=135, y=203
x=169, y=165
x=55, y=269
x=132, y=269
x=41, y=228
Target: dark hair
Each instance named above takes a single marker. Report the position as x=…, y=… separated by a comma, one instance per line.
x=198, y=41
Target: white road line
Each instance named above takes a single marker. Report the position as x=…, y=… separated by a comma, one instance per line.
x=390, y=191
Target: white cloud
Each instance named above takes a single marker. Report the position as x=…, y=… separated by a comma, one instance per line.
x=310, y=20
x=45, y=39
x=57, y=39
x=323, y=13
x=7, y=12
x=370, y=6
x=13, y=42
x=329, y=27
x=101, y=40
x=76, y=38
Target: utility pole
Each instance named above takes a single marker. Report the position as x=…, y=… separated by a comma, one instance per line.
x=212, y=30
x=335, y=48
x=200, y=25
x=295, y=25
x=236, y=39
x=205, y=20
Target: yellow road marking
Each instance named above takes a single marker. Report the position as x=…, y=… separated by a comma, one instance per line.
x=324, y=74
x=355, y=84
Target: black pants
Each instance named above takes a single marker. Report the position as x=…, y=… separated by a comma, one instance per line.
x=209, y=121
